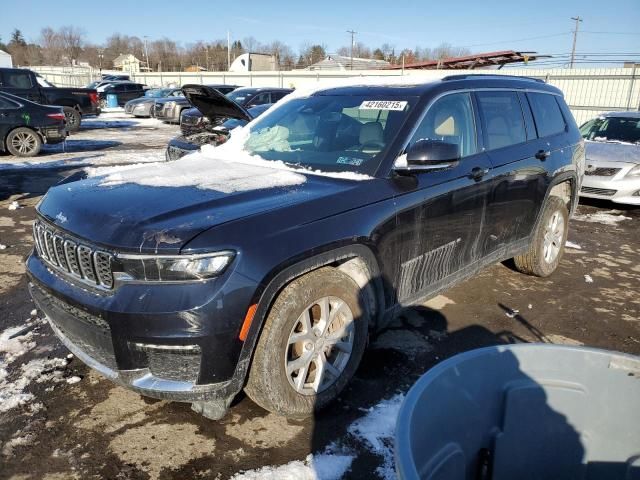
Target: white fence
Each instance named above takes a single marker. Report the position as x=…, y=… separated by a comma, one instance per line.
x=587, y=91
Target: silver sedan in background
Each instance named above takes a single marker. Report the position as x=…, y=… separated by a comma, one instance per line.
x=612, y=170
x=144, y=106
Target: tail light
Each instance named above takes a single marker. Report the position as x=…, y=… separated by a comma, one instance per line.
x=93, y=97
x=56, y=116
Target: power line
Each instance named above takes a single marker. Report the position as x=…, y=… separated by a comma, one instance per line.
x=517, y=40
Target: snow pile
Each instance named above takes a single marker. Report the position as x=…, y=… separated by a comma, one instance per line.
x=314, y=467
x=12, y=394
x=203, y=172
x=15, y=342
x=611, y=217
x=375, y=431
x=3, y=246
x=575, y=246
x=14, y=205
x=588, y=278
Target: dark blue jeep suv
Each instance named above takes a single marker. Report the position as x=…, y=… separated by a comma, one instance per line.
x=265, y=269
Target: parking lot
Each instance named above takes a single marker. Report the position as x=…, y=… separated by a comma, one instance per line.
x=64, y=421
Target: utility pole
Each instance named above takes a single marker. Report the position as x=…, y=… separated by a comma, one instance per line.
x=352, y=45
x=146, y=53
x=228, y=50
x=575, y=38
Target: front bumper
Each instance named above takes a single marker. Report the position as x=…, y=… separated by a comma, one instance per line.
x=187, y=353
x=168, y=114
x=618, y=188
x=139, y=110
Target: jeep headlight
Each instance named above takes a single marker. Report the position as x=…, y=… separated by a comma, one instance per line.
x=170, y=268
x=634, y=172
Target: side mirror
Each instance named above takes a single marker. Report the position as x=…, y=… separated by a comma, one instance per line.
x=430, y=155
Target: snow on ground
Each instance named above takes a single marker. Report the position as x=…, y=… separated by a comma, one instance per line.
x=374, y=431
x=575, y=246
x=610, y=217
x=110, y=139
x=14, y=343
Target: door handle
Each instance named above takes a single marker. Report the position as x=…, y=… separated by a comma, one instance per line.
x=542, y=154
x=477, y=173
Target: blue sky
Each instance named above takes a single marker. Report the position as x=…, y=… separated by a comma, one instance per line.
x=482, y=25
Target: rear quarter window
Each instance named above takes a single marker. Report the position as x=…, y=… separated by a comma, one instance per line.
x=546, y=114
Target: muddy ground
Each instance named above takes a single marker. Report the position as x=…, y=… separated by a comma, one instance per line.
x=94, y=429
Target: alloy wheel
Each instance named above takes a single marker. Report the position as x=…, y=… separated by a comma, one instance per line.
x=553, y=237
x=24, y=142
x=319, y=345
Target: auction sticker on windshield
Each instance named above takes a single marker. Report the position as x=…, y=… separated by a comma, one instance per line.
x=383, y=105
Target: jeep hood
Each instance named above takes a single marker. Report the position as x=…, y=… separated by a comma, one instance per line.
x=213, y=104
x=135, y=217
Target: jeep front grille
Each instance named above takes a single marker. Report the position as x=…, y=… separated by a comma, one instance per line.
x=73, y=257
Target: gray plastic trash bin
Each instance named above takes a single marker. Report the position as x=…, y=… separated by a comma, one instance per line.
x=523, y=412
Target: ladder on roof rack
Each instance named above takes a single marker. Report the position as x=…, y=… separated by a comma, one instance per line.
x=462, y=76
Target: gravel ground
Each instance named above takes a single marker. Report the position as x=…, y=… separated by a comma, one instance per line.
x=72, y=423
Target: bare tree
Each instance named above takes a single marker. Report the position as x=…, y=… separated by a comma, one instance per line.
x=72, y=41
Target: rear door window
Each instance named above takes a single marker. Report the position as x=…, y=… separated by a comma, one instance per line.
x=546, y=114
x=502, y=120
x=16, y=80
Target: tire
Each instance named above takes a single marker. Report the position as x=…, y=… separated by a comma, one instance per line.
x=23, y=142
x=73, y=118
x=269, y=385
x=547, y=246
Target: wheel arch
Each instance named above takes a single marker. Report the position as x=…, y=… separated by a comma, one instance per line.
x=33, y=129
x=564, y=186
x=355, y=260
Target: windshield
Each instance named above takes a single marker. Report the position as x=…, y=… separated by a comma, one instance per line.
x=330, y=133
x=239, y=96
x=43, y=83
x=612, y=129
x=158, y=92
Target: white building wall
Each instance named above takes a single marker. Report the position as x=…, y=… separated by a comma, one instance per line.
x=588, y=92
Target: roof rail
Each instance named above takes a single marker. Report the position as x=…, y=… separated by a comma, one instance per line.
x=489, y=75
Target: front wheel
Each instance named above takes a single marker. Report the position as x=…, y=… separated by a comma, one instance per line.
x=311, y=344
x=547, y=246
x=23, y=142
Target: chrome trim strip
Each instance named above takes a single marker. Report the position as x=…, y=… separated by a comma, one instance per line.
x=192, y=256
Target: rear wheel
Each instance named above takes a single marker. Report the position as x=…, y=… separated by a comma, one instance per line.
x=23, y=142
x=311, y=344
x=73, y=118
x=547, y=247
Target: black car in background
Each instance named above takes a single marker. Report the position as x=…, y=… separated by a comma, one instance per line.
x=76, y=102
x=180, y=146
x=266, y=267
x=124, y=91
x=170, y=109
x=25, y=125
x=193, y=121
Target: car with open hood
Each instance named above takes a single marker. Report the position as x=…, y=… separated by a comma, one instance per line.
x=612, y=145
x=194, y=121
x=263, y=264
x=223, y=115
x=143, y=106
